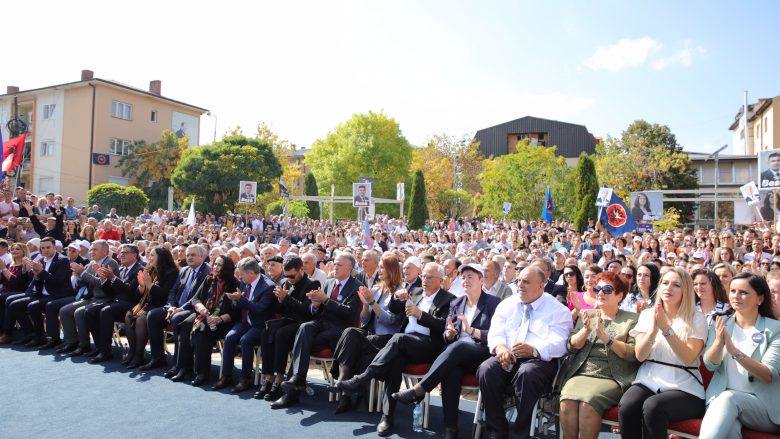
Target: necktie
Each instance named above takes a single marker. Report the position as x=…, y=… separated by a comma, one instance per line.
x=522, y=331
x=244, y=312
x=335, y=293
x=123, y=274
x=80, y=294
x=185, y=294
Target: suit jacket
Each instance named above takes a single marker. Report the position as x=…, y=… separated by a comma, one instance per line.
x=486, y=306
x=766, y=352
x=178, y=288
x=416, y=287
x=502, y=290
x=127, y=291
x=340, y=313
x=161, y=287
x=94, y=284
x=56, y=279
x=296, y=305
x=436, y=317
x=768, y=179
x=362, y=277
x=260, y=304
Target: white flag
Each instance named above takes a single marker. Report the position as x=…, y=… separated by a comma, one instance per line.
x=191, y=216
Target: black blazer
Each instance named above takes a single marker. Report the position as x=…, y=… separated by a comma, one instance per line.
x=56, y=279
x=340, y=314
x=161, y=286
x=208, y=290
x=125, y=292
x=486, y=307
x=181, y=280
x=296, y=305
x=416, y=287
x=435, y=319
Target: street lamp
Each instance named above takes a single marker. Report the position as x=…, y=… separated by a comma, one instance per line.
x=215, y=125
x=716, y=155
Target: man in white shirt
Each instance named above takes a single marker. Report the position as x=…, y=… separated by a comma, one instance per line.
x=311, y=270
x=528, y=333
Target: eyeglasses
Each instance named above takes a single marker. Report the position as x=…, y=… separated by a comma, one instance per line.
x=628, y=275
x=429, y=277
x=765, y=264
x=290, y=276
x=570, y=274
x=606, y=289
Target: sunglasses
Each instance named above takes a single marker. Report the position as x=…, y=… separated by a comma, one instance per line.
x=606, y=289
x=569, y=274
x=628, y=275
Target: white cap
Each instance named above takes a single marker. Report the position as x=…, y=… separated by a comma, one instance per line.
x=637, y=239
x=698, y=255
x=472, y=266
x=36, y=242
x=608, y=248
x=249, y=247
x=85, y=244
x=414, y=261
x=58, y=243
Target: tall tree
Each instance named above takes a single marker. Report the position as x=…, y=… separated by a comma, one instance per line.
x=646, y=157
x=310, y=188
x=521, y=179
x=212, y=173
x=367, y=145
x=418, y=210
x=150, y=165
x=587, y=189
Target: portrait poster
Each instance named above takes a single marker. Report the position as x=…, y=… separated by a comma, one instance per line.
x=361, y=194
x=647, y=206
x=247, y=192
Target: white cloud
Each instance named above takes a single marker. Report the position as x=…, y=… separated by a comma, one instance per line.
x=683, y=57
x=626, y=53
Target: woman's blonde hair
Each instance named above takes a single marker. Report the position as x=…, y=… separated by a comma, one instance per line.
x=683, y=323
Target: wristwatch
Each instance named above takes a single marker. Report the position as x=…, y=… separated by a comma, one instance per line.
x=371, y=302
x=668, y=333
x=535, y=353
x=609, y=342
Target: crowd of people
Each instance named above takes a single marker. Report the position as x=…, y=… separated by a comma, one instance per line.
x=637, y=316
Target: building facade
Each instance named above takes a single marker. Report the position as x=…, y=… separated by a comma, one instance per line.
x=74, y=127
x=763, y=125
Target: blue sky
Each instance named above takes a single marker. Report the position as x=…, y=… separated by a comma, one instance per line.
x=435, y=66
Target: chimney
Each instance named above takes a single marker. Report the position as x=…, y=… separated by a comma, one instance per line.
x=87, y=75
x=155, y=87
x=11, y=89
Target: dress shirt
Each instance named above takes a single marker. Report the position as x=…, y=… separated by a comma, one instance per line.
x=46, y=265
x=425, y=304
x=456, y=289
x=548, y=329
x=252, y=287
x=342, y=283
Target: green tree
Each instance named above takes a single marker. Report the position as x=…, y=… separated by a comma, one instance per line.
x=522, y=178
x=150, y=165
x=367, y=145
x=128, y=200
x=418, y=211
x=454, y=204
x=587, y=190
x=646, y=157
x=297, y=208
x=310, y=188
x=212, y=173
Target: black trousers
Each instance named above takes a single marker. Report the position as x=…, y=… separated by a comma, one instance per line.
x=100, y=321
x=155, y=322
x=9, y=319
x=276, y=346
x=183, y=353
x=458, y=359
x=137, y=335
x=529, y=379
x=203, y=343
x=28, y=311
x=400, y=350
x=356, y=349
x=646, y=414
x=3, y=297
x=311, y=337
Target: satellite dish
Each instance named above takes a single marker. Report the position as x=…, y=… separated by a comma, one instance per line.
x=16, y=127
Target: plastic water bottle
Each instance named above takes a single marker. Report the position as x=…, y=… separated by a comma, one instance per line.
x=408, y=304
x=417, y=418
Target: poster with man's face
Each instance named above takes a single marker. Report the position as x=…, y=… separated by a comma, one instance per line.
x=361, y=194
x=769, y=170
x=247, y=192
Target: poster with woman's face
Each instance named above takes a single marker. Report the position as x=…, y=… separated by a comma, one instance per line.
x=647, y=206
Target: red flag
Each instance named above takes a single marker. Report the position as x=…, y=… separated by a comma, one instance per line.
x=13, y=151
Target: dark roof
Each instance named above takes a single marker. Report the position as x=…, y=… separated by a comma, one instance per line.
x=571, y=139
x=109, y=83
x=753, y=111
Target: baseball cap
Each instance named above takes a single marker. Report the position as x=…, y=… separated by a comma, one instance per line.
x=414, y=260
x=474, y=267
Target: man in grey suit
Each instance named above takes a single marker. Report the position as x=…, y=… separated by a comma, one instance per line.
x=493, y=285
x=89, y=293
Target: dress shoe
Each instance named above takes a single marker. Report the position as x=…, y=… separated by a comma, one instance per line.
x=345, y=403
x=243, y=384
x=24, y=340
x=351, y=385
x=200, y=380
x=76, y=352
x=170, y=373
x=385, y=426
x=451, y=433
x=5, y=339
x=294, y=385
x=180, y=375
x=287, y=400
x=127, y=359
x=264, y=389
x=275, y=392
x=407, y=397
x=67, y=348
x=154, y=363
x=135, y=364
x=54, y=342
x=223, y=382
x=99, y=358
x=92, y=353
x=35, y=342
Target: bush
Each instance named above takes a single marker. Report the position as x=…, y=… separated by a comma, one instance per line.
x=418, y=210
x=128, y=200
x=298, y=208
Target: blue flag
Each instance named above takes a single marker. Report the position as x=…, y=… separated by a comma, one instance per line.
x=616, y=217
x=549, y=206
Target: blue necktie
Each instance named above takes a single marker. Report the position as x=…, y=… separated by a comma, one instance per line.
x=185, y=294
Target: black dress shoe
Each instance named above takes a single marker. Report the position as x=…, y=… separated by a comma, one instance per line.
x=127, y=359
x=243, y=384
x=53, y=343
x=135, y=364
x=222, y=383
x=24, y=340
x=294, y=385
x=287, y=400
x=200, y=380
x=170, y=373
x=408, y=396
x=264, y=389
x=275, y=392
x=154, y=363
x=66, y=348
x=35, y=342
x=99, y=358
x=385, y=426
x=180, y=376
x=92, y=353
x=345, y=403
x=451, y=433
x=76, y=352
x=351, y=385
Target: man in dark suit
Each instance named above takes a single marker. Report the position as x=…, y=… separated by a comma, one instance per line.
x=333, y=309
x=124, y=290
x=247, y=196
x=51, y=282
x=279, y=334
x=370, y=264
x=178, y=308
x=256, y=303
x=420, y=340
x=361, y=199
x=412, y=267
x=771, y=177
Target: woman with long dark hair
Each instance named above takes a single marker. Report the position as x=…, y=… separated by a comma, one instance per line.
x=711, y=297
x=643, y=293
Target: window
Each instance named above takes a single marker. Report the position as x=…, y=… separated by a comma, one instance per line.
x=154, y=116
x=766, y=123
x=45, y=184
x=47, y=149
x=120, y=147
x=48, y=111
x=121, y=110
x=121, y=181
